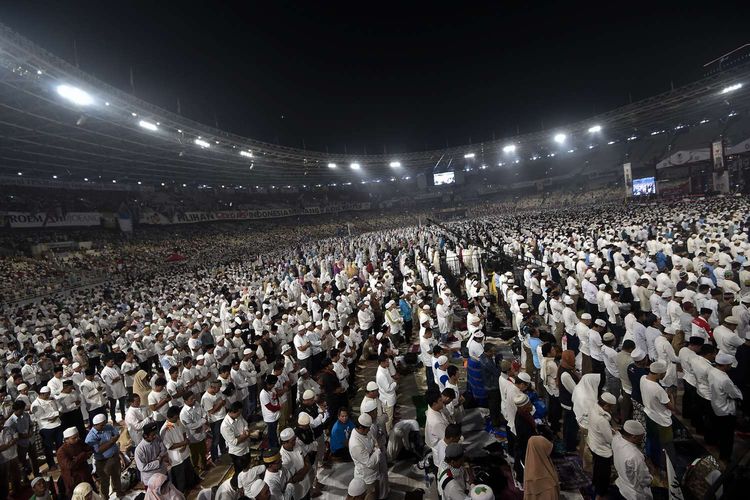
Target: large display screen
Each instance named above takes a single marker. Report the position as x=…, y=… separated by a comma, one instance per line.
x=644, y=186
x=444, y=178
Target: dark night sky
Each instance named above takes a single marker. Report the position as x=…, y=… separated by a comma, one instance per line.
x=407, y=77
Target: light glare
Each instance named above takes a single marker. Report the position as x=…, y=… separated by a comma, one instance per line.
x=75, y=95
x=202, y=143
x=395, y=164
x=148, y=125
x=247, y=154
x=354, y=166
x=560, y=138
x=510, y=148
x=595, y=128
x=731, y=88
x=469, y=155
x=331, y=165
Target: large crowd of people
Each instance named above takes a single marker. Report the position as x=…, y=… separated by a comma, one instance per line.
x=285, y=353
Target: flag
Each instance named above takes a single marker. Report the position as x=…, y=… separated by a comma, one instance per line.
x=675, y=491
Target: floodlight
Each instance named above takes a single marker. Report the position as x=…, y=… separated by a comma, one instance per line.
x=560, y=138
x=354, y=166
x=731, y=88
x=510, y=148
x=148, y=125
x=395, y=164
x=247, y=154
x=469, y=155
x=331, y=165
x=595, y=128
x=202, y=143
x=75, y=95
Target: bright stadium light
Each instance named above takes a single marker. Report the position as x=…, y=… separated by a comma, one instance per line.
x=20, y=173
x=85, y=179
x=560, y=138
x=354, y=166
x=246, y=154
x=395, y=164
x=75, y=95
x=595, y=129
x=148, y=125
x=469, y=155
x=510, y=148
x=731, y=88
x=202, y=143
x=54, y=177
x=331, y=165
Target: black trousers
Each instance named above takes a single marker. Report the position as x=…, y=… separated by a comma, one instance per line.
x=570, y=430
x=493, y=402
x=555, y=411
x=600, y=476
x=183, y=475
x=688, y=401
x=724, y=430
x=240, y=462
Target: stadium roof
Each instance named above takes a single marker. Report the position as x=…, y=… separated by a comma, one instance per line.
x=59, y=122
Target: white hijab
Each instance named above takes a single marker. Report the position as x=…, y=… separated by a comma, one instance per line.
x=585, y=396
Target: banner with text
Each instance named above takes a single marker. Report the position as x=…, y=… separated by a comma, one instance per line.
x=71, y=219
x=154, y=218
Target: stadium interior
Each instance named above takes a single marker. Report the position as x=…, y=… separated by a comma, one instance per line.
x=128, y=231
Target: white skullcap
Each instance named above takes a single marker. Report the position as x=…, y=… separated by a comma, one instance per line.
x=308, y=394
x=523, y=306
x=524, y=377
x=638, y=354
x=368, y=404
x=302, y=371
x=481, y=492
x=442, y=360
x=287, y=434
x=247, y=351
x=44, y=390
x=725, y=359
x=256, y=488
x=658, y=367
x=365, y=420
x=70, y=432
x=285, y=348
x=585, y=316
x=426, y=307
x=732, y=320
x=372, y=386
x=303, y=419
x=568, y=300
x=99, y=418
x=634, y=428
x=520, y=400
x=608, y=398
x=22, y=387
x=608, y=336
x=356, y=487
x=601, y=322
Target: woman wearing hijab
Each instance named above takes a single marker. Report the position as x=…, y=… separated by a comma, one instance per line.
x=540, y=479
x=585, y=396
x=567, y=378
x=84, y=491
x=159, y=488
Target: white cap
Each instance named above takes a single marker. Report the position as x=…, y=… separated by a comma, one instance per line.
x=286, y=434
x=520, y=399
x=247, y=351
x=285, y=348
x=658, y=367
x=481, y=492
x=524, y=377
x=608, y=398
x=44, y=390
x=99, y=418
x=634, y=428
x=256, y=488
x=608, y=336
x=356, y=487
x=303, y=419
x=732, y=320
x=368, y=404
x=600, y=322
x=365, y=420
x=568, y=300
x=70, y=432
x=585, y=316
x=638, y=354
x=308, y=394
x=442, y=360
x=372, y=386
x=723, y=358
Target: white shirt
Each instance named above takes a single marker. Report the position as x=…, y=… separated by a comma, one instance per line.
x=386, y=386
x=194, y=419
x=654, y=401
x=723, y=393
x=269, y=398
x=230, y=430
x=294, y=461
x=365, y=455
x=173, y=433
x=727, y=340
x=701, y=367
x=599, y=436
x=633, y=476
x=686, y=355
x=45, y=413
x=434, y=429
x=208, y=401
x=665, y=352
x=301, y=341
x=115, y=389
x=595, y=345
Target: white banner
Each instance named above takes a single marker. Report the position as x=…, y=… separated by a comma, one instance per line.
x=741, y=147
x=683, y=157
x=154, y=218
x=628, y=176
x=71, y=219
x=717, y=152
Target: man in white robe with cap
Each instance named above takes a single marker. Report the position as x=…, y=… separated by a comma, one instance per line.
x=633, y=476
x=724, y=397
x=365, y=454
